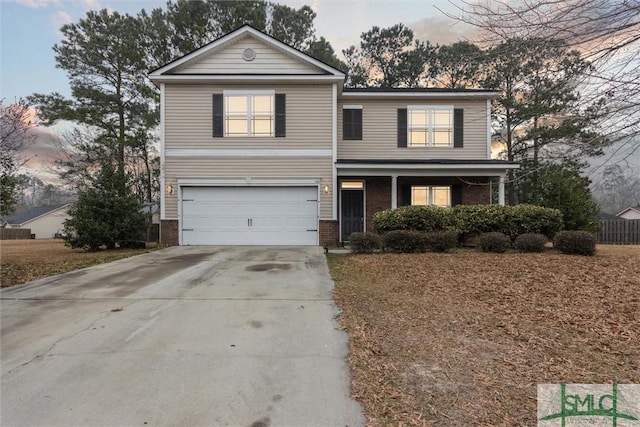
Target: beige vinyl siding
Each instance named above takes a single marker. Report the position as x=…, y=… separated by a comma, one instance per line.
x=228, y=60
x=188, y=118
x=380, y=131
x=318, y=168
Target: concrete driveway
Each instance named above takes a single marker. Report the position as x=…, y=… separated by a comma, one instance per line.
x=190, y=336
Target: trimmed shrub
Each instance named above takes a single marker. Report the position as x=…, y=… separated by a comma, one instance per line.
x=575, y=242
x=530, y=242
x=418, y=218
x=533, y=219
x=404, y=241
x=364, y=243
x=494, y=242
x=472, y=220
x=441, y=241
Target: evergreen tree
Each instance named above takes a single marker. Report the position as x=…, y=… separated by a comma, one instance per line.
x=104, y=215
x=560, y=186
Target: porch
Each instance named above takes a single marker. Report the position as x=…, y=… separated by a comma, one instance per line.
x=367, y=187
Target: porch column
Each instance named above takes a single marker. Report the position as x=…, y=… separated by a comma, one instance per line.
x=501, y=191
x=394, y=191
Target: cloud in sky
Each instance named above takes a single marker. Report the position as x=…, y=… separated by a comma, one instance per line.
x=442, y=30
x=37, y=4
x=89, y=5
x=60, y=18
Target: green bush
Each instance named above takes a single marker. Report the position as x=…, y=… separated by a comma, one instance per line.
x=106, y=214
x=494, y=242
x=575, y=242
x=441, y=241
x=418, y=218
x=404, y=241
x=472, y=220
x=533, y=219
x=364, y=243
x=530, y=242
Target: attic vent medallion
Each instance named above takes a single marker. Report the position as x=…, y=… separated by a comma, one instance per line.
x=248, y=54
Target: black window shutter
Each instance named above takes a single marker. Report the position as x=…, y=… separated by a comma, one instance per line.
x=402, y=127
x=281, y=115
x=405, y=195
x=352, y=124
x=347, y=124
x=458, y=127
x=218, y=115
x=456, y=194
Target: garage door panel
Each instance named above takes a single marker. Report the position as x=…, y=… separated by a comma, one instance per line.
x=249, y=215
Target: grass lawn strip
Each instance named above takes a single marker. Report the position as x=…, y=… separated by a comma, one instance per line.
x=22, y=261
x=464, y=338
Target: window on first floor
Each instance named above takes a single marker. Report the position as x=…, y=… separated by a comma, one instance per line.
x=431, y=195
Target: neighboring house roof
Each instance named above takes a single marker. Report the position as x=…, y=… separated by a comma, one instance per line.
x=33, y=213
x=630, y=209
x=608, y=217
x=167, y=70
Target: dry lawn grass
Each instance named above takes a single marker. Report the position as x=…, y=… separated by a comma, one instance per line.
x=25, y=260
x=462, y=339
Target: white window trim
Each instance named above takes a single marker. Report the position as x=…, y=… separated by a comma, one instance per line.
x=249, y=94
x=429, y=128
x=352, y=107
x=430, y=194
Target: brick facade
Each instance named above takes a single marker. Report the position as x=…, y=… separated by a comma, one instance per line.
x=329, y=232
x=378, y=198
x=475, y=190
x=169, y=232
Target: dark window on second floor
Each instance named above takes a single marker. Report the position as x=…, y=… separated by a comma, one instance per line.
x=352, y=123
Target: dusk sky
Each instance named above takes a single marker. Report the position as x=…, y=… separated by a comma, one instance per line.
x=29, y=29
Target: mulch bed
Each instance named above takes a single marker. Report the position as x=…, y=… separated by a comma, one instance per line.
x=464, y=338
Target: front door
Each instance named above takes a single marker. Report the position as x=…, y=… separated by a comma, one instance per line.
x=352, y=213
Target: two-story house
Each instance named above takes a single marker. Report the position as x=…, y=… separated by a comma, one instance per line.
x=263, y=145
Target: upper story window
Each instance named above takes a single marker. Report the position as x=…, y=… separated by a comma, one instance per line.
x=242, y=113
x=431, y=195
x=352, y=122
x=249, y=114
x=429, y=126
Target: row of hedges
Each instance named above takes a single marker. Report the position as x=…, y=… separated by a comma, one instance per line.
x=471, y=220
x=412, y=241
x=404, y=241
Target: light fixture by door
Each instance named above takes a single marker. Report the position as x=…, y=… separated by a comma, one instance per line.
x=325, y=189
x=169, y=188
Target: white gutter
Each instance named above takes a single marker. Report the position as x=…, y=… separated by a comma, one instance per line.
x=426, y=94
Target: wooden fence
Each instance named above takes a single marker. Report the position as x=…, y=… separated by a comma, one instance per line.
x=15, y=233
x=620, y=232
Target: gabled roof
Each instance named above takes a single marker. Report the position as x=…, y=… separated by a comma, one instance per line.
x=246, y=30
x=630, y=208
x=33, y=213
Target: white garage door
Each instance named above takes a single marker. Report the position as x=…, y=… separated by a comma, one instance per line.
x=249, y=216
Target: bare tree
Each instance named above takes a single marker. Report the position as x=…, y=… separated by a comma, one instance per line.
x=606, y=32
x=15, y=122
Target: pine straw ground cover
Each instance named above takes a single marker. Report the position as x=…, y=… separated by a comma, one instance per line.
x=25, y=260
x=463, y=339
